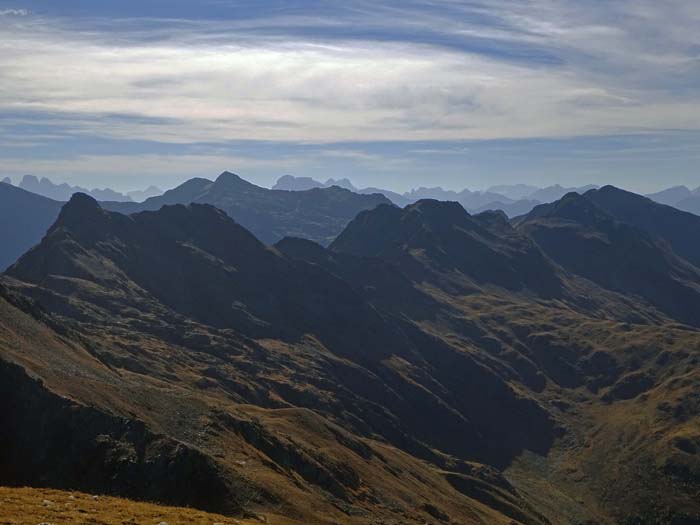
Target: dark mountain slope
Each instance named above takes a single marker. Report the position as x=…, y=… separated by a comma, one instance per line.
x=318, y=214
x=175, y=295
x=198, y=263
x=47, y=437
x=589, y=242
x=375, y=381
x=24, y=219
x=435, y=240
x=681, y=230
x=194, y=260
x=618, y=363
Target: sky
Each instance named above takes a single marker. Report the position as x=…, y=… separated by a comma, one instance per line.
x=389, y=93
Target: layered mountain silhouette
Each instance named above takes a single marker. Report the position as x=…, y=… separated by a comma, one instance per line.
x=24, y=219
x=142, y=195
x=671, y=196
x=63, y=192
x=679, y=197
x=514, y=191
x=428, y=365
x=513, y=200
x=231, y=309
x=556, y=192
x=318, y=214
x=291, y=183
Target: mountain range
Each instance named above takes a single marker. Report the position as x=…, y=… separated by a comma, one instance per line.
x=426, y=365
x=318, y=214
x=679, y=197
x=513, y=200
x=64, y=191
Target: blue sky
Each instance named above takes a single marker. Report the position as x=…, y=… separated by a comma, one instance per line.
x=388, y=93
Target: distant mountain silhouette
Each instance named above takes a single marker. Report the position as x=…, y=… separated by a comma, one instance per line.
x=291, y=183
x=691, y=204
x=142, y=195
x=556, y=192
x=671, y=196
x=318, y=214
x=514, y=191
x=341, y=183
x=63, y=192
x=24, y=219
x=514, y=200
x=511, y=209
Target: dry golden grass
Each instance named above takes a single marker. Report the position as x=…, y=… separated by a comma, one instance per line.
x=30, y=506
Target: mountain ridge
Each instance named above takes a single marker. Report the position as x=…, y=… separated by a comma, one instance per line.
x=318, y=213
x=429, y=364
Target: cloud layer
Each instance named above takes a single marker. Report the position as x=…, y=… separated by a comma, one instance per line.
x=350, y=71
x=579, y=71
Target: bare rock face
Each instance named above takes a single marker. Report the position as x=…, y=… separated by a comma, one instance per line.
x=49, y=440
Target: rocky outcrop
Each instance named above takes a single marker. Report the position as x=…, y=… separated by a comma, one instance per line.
x=48, y=440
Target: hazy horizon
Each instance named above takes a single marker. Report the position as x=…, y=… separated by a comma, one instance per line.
x=390, y=94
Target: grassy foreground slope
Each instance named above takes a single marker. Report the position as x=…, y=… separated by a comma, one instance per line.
x=20, y=506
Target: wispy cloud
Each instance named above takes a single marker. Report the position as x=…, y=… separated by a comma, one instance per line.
x=450, y=72
x=14, y=12
x=358, y=70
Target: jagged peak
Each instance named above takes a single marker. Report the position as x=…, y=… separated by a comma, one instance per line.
x=80, y=213
x=80, y=205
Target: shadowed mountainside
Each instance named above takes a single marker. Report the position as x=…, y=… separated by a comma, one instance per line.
x=24, y=218
x=618, y=256
x=429, y=366
x=678, y=228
